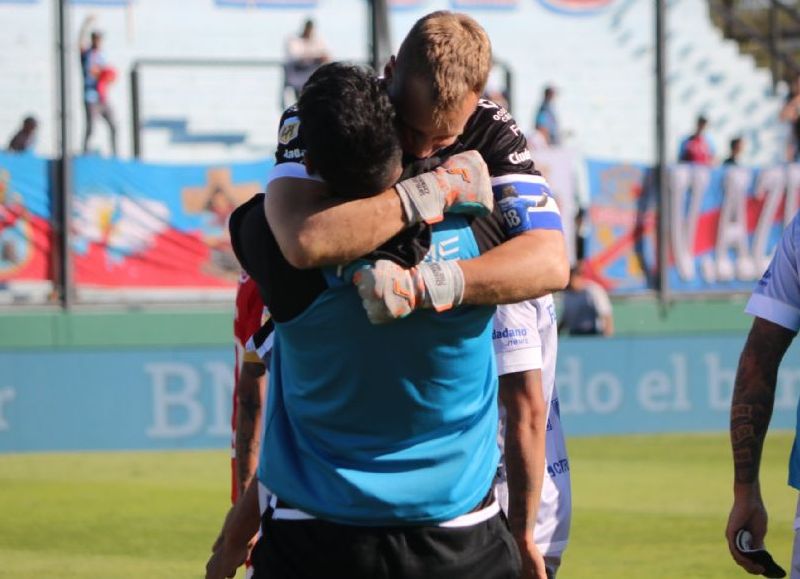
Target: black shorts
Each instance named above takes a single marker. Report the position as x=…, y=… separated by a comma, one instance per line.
x=315, y=549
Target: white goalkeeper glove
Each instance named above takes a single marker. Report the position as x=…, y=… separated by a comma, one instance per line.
x=389, y=292
x=460, y=185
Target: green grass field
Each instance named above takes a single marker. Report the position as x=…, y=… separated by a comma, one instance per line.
x=645, y=507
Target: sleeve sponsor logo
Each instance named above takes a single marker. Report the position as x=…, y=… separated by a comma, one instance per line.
x=289, y=131
x=511, y=336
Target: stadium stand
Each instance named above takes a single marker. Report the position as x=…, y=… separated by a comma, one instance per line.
x=603, y=70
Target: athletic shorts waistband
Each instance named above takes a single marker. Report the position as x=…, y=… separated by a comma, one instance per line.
x=280, y=511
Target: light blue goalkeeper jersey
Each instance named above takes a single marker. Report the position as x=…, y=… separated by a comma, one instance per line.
x=388, y=424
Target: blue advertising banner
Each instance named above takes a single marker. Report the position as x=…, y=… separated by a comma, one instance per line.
x=665, y=384
x=109, y=400
x=181, y=398
x=140, y=225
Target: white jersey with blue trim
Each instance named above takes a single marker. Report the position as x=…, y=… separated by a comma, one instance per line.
x=777, y=299
x=777, y=295
x=525, y=337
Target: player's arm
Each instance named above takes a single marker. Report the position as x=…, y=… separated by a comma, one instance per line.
x=83, y=33
x=519, y=366
x=251, y=394
x=751, y=410
x=526, y=425
x=531, y=265
x=775, y=303
x=252, y=399
x=241, y=524
x=314, y=229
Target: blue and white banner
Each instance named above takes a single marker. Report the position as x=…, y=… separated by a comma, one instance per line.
x=181, y=398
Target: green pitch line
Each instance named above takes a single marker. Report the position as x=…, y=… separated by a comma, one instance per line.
x=645, y=506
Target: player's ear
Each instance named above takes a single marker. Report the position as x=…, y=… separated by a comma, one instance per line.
x=388, y=69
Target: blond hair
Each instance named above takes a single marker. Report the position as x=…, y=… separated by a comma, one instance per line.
x=451, y=51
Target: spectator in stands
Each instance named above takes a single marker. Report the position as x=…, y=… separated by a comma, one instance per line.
x=304, y=54
x=546, y=121
x=586, y=307
x=737, y=145
x=697, y=148
x=790, y=113
x=96, y=77
x=24, y=138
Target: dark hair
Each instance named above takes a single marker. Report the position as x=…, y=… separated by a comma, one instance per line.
x=735, y=141
x=347, y=126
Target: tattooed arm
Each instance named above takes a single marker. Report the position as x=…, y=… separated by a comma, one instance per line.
x=526, y=425
x=751, y=410
x=252, y=386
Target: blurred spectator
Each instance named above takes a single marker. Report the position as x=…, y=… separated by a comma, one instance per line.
x=697, y=148
x=214, y=224
x=25, y=137
x=546, y=121
x=790, y=113
x=737, y=145
x=97, y=75
x=587, y=309
x=304, y=54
